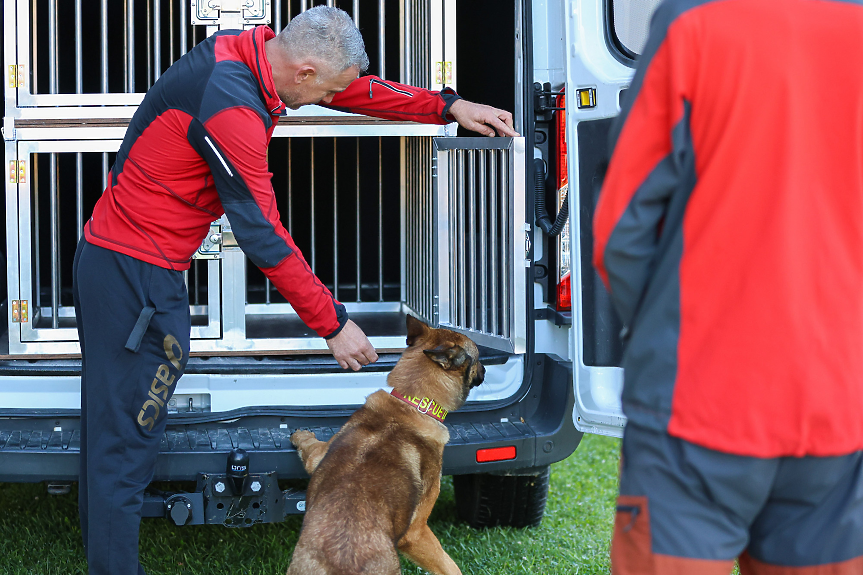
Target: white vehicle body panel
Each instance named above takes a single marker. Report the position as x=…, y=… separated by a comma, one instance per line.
x=590, y=64
x=230, y=392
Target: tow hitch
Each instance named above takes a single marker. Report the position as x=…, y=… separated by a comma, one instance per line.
x=235, y=498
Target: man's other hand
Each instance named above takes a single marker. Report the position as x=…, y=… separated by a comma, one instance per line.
x=482, y=119
x=351, y=348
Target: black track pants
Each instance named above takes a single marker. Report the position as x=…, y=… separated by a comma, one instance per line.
x=133, y=324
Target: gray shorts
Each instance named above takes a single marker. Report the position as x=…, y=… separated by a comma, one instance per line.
x=687, y=509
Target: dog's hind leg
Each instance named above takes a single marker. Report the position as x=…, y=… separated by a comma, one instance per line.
x=303, y=563
x=384, y=564
x=310, y=449
x=422, y=547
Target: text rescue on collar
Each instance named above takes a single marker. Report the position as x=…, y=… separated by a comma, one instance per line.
x=424, y=405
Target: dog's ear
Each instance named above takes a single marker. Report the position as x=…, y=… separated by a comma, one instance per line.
x=416, y=329
x=448, y=355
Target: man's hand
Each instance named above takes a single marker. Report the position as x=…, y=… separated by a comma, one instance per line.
x=351, y=348
x=482, y=119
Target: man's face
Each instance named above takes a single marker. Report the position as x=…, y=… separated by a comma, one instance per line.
x=316, y=87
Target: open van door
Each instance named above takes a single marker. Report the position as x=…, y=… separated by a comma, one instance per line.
x=603, y=39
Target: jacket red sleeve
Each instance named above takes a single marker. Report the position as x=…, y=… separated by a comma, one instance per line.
x=234, y=143
x=652, y=154
x=371, y=96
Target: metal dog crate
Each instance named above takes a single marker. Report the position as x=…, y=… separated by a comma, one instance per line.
x=394, y=218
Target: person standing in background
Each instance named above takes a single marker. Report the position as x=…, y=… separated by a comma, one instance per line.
x=729, y=232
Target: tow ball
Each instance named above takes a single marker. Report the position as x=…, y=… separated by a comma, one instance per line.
x=236, y=498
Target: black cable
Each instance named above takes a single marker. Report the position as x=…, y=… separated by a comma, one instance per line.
x=543, y=220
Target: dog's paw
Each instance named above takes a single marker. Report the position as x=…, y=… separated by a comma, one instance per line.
x=301, y=435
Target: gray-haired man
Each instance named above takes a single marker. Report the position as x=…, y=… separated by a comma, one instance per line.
x=195, y=149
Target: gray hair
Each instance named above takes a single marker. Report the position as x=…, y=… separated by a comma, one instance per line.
x=329, y=34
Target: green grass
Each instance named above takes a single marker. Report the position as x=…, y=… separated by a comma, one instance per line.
x=39, y=533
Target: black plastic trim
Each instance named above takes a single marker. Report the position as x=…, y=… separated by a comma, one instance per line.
x=559, y=317
x=602, y=345
x=620, y=52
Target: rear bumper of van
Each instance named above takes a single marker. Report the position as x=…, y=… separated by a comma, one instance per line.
x=43, y=445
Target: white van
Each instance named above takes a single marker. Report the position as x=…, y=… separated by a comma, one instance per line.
x=395, y=218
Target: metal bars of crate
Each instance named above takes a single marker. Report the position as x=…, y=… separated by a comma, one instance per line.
x=150, y=35
x=417, y=45
x=334, y=201
x=366, y=233
x=478, y=211
x=116, y=50
x=419, y=229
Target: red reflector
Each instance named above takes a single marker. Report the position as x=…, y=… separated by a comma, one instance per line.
x=564, y=294
x=495, y=454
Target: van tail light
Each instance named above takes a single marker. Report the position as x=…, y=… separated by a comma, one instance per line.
x=564, y=291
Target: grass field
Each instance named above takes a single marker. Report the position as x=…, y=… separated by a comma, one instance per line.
x=39, y=533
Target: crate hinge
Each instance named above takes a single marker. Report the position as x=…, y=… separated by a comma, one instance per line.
x=18, y=172
x=16, y=76
x=443, y=73
x=19, y=311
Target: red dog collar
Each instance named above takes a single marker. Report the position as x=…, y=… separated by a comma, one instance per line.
x=424, y=405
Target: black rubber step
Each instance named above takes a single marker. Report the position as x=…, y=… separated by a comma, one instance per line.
x=186, y=451
x=216, y=438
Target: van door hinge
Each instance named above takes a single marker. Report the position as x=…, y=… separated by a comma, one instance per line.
x=443, y=73
x=16, y=76
x=18, y=172
x=19, y=311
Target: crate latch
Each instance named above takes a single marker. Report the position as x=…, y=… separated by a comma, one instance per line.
x=211, y=247
x=8, y=128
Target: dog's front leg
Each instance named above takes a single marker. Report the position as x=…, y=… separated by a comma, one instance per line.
x=419, y=544
x=310, y=449
x=422, y=547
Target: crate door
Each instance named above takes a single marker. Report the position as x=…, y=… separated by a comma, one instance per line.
x=480, y=240
x=58, y=183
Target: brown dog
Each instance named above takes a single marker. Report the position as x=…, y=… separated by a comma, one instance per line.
x=375, y=482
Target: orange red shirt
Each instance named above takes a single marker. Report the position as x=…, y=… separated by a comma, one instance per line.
x=730, y=227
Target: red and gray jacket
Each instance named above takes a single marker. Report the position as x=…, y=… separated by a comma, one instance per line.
x=197, y=148
x=730, y=227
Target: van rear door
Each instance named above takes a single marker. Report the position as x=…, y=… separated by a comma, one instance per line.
x=603, y=39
